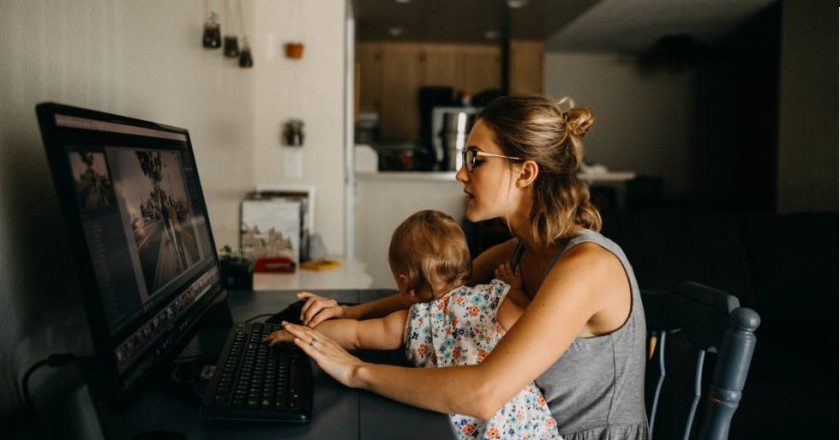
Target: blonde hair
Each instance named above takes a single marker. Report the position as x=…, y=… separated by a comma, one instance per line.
x=536, y=128
x=430, y=242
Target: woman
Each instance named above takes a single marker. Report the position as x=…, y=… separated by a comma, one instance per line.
x=582, y=335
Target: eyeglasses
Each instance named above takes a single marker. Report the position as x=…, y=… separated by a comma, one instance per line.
x=471, y=154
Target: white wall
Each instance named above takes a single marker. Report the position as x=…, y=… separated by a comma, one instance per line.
x=642, y=120
x=808, y=148
x=144, y=59
x=311, y=89
x=384, y=201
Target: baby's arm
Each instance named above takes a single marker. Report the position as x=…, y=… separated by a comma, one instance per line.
x=372, y=334
x=508, y=313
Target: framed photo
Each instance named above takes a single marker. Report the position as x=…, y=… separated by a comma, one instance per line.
x=305, y=195
x=270, y=233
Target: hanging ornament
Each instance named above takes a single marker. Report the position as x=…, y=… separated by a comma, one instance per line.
x=212, y=38
x=231, y=43
x=245, y=58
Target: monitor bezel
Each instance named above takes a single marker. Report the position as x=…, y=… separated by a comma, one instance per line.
x=108, y=383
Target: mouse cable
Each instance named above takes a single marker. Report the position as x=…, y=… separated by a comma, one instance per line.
x=264, y=315
x=53, y=360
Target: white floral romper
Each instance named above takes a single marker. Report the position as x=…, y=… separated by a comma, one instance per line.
x=460, y=328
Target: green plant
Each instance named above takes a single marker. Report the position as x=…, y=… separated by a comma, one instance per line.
x=229, y=255
x=237, y=269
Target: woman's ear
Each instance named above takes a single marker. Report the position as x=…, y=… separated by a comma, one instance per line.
x=528, y=172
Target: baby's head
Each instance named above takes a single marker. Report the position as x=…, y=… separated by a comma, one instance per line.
x=429, y=255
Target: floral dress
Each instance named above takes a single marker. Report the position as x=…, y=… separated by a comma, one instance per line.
x=460, y=328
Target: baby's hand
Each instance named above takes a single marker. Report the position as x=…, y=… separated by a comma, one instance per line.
x=505, y=273
x=278, y=337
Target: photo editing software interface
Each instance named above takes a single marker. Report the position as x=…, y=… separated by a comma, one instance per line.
x=145, y=228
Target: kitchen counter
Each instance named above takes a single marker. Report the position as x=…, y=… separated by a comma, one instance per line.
x=431, y=176
x=350, y=275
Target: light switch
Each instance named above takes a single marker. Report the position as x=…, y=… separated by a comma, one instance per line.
x=293, y=162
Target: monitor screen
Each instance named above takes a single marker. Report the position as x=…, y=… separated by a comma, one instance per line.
x=135, y=213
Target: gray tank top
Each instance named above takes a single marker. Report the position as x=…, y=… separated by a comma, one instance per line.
x=596, y=389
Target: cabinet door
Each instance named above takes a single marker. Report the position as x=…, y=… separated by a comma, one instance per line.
x=479, y=69
x=369, y=59
x=400, y=82
x=440, y=65
x=526, y=67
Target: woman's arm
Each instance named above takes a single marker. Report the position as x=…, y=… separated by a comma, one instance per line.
x=580, y=284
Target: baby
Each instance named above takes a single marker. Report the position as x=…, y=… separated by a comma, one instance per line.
x=449, y=323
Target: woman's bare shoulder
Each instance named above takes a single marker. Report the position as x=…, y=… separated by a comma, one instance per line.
x=597, y=274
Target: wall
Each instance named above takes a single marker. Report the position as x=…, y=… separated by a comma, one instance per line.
x=807, y=170
x=311, y=89
x=144, y=59
x=403, y=194
x=702, y=115
x=642, y=118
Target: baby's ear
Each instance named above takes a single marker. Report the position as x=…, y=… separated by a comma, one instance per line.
x=402, y=282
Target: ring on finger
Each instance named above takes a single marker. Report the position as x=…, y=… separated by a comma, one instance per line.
x=313, y=342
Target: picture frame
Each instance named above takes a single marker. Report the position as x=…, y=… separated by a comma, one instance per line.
x=275, y=227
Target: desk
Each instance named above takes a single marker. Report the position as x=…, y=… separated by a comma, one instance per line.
x=338, y=412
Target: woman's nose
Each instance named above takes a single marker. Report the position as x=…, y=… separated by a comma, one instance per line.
x=462, y=174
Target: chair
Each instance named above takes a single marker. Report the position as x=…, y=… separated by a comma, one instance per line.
x=696, y=319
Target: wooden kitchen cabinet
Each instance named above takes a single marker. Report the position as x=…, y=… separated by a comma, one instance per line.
x=369, y=60
x=401, y=79
x=440, y=65
x=480, y=69
x=392, y=74
x=525, y=67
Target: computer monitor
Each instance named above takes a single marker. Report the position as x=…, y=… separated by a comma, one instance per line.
x=137, y=222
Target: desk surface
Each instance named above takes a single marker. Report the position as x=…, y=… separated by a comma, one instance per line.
x=351, y=275
x=338, y=412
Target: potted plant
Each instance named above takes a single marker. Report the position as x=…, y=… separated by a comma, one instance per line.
x=237, y=270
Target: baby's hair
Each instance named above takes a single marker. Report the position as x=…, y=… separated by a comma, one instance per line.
x=429, y=242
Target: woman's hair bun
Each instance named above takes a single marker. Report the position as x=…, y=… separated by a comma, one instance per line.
x=578, y=121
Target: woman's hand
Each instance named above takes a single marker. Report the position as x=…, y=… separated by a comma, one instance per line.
x=278, y=337
x=333, y=359
x=318, y=309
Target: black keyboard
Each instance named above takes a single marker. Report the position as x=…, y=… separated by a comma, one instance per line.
x=253, y=381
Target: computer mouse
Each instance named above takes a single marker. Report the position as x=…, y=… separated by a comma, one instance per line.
x=289, y=314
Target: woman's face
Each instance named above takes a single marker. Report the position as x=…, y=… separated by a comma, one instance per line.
x=489, y=187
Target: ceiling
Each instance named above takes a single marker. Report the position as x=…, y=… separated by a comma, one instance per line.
x=463, y=21
x=629, y=26
x=565, y=25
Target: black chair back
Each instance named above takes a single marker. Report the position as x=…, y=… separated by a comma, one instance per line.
x=685, y=324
